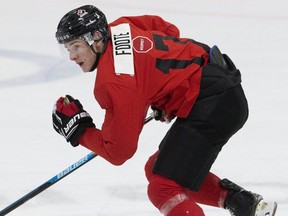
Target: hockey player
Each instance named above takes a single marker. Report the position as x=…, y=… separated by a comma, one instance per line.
x=142, y=61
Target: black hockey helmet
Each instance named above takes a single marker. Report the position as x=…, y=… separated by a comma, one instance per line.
x=82, y=22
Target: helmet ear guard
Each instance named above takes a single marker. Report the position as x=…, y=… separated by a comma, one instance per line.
x=88, y=37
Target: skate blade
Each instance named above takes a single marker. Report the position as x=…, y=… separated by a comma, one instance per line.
x=266, y=208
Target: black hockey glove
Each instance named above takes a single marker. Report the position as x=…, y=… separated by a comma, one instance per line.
x=160, y=115
x=157, y=113
x=70, y=119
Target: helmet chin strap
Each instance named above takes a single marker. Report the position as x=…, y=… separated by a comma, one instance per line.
x=98, y=54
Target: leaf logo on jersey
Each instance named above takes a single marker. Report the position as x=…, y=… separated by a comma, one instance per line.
x=142, y=44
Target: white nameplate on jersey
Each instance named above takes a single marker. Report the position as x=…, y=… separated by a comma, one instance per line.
x=122, y=49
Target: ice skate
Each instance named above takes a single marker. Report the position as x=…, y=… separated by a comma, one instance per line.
x=245, y=203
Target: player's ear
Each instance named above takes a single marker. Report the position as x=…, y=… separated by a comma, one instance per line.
x=97, y=36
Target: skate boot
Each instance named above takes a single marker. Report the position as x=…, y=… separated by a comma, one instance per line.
x=244, y=203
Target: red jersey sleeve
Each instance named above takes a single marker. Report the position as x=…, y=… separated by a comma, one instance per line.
x=125, y=114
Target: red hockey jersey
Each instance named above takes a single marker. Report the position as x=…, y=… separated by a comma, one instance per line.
x=145, y=63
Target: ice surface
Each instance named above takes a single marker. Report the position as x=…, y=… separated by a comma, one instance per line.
x=33, y=75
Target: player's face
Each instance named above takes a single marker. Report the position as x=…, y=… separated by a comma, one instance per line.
x=81, y=54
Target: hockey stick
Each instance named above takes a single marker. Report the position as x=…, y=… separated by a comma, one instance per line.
x=55, y=179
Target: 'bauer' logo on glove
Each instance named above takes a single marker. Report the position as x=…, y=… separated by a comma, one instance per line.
x=70, y=120
x=73, y=122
